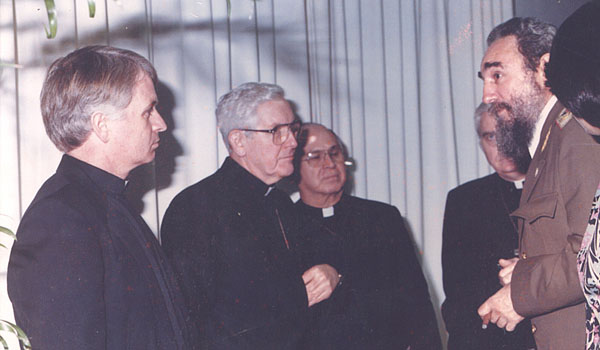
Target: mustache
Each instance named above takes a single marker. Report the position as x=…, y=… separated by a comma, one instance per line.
x=498, y=107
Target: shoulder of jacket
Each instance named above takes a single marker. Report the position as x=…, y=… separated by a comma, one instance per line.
x=475, y=185
x=563, y=118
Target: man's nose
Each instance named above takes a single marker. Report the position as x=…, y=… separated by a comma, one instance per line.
x=291, y=141
x=158, y=123
x=327, y=160
x=489, y=93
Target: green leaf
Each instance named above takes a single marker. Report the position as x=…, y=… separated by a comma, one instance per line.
x=52, y=20
x=228, y=8
x=3, y=343
x=14, y=329
x=8, y=232
x=92, y=8
x=11, y=65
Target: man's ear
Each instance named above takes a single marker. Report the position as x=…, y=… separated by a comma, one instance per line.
x=237, y=142
x=99, y=123
x=541, y=69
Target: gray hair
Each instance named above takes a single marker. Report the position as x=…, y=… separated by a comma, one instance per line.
x=479, y=111
x=237, y=108
x=534, y=38
x=89, y=79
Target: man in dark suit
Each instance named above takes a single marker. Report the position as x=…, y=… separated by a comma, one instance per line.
x=543, y=282
x=86, y=271
x=384, y=301
x=477, y=233
x=233, y=237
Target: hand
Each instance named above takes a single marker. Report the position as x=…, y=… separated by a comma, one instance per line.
x=320, y=281
x=499, y=310
x=505, y=274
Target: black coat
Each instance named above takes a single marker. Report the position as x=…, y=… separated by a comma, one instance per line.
x=383, y=301
x=87, y=273
x=236, y=259
x=477, y=232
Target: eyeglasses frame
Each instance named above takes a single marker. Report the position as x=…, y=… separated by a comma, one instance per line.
x=273, y=130
x=307, y=157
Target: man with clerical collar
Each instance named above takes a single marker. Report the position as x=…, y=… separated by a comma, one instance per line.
x=478, y=235
x=86, y=271
x=234, y=238
x=542, y=283
x=383, y=301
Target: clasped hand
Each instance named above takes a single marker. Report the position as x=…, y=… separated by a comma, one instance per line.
x=320, y=281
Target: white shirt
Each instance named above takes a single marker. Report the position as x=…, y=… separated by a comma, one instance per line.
x=540, y=123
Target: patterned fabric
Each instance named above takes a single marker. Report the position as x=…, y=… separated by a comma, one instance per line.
x=588, y=261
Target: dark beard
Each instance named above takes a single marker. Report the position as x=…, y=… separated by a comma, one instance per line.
x=515, y=124
x=513, y=136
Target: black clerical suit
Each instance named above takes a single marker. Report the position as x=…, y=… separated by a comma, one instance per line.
x=383, y=300
x=233, y=240
x=477, y=232
x=87, y=273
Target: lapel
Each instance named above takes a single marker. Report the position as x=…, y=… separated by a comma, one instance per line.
x=134, y=234
x=117, y=221
x=252, y=213
x=536, y=168
x=130, y=229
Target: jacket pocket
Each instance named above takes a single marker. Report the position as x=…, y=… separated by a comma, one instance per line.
x=538, y=207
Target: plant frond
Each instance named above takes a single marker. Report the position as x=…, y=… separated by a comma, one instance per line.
x=17, y=331
x=52, y=20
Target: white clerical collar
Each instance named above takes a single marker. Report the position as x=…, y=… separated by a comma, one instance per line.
x=540, y=123
x=328, y=212
x=519, y=184
x=295, y=197
x=269, y=190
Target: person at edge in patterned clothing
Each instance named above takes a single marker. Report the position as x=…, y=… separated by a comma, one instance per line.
x=543, y=282
x=383, y=301
x=477, y=233
x=233, y=237
x=573, y=74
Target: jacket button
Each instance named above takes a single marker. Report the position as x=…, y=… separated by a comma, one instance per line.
x=524, y=256
x=533, y=328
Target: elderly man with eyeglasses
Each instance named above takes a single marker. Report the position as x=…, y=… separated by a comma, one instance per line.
x=383, y=301
x=234, y=238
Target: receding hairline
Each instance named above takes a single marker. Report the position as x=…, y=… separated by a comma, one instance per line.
x=314, y=126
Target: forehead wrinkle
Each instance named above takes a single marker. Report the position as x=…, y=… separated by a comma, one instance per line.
x=323, y=148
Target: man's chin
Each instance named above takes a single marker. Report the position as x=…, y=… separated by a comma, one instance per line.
x=285, y=170
x=510, y=173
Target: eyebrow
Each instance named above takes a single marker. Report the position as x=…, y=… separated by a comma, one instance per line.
x=151, y=105
x=324, y=149
x=488, y=65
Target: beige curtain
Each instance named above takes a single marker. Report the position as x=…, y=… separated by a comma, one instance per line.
x=395, y=79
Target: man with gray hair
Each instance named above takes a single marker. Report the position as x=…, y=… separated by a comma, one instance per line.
x=86, y=271
x=478, y=232
x=234, y=238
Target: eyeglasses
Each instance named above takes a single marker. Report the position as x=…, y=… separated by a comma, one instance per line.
x=281, y=132
x=317, y=158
